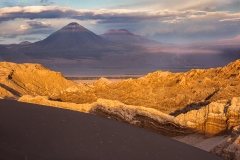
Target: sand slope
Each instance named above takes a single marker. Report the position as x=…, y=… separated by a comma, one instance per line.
x=29, y=131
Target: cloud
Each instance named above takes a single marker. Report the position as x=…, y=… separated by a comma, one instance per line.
x=176, y=4
x=168, y=24
x=29, y=39
x=37, y=24
x=230, y=19
x=174, y=20
x=9, y=36
x=10, y=30
x=111, y=15
x=24, y=27
x=34, y=25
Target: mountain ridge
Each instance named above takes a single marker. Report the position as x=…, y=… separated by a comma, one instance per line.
x=127, y=37
x=72, y=35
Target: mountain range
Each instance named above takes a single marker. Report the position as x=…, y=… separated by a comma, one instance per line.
x=75, y=46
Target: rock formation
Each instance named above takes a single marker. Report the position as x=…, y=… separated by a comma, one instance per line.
x=209, y=120
x=230, y=149
x=32, y=79
x=171, y=93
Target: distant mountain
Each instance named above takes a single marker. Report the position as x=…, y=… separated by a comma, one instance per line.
x=75, y=46
x=126, y=37
x=72, y=36
x=70, y=42
x=24, y=43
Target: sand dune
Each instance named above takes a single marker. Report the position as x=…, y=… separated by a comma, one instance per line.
x=31, y=131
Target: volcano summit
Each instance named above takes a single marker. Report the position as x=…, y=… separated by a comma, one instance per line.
x=70, y=42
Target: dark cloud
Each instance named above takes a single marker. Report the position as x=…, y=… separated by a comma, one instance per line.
x=9, y=36
x=103, y=16
x=110, y=16
x=38, y=25
x=30, y=39
x=32, y=27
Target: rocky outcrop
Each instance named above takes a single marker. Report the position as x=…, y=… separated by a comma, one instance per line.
x=5, y=94
x=233, y=113
x=230, y=149
x=33, y=79
x=147, y=118
x=209, y=120
x=171, y=93
x=216, y=118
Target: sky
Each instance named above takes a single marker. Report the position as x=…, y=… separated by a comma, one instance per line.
x=175, y=21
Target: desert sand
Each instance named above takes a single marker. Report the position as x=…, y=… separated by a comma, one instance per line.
x=30, y=131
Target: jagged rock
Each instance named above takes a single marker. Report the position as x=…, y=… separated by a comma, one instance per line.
x=216, y=118
x=230, y=149
x=174, y=92
x=209, y=120
x=233, y=113
x=32, y=79
x=171, y=93
x=5, y=94
x=102, y=82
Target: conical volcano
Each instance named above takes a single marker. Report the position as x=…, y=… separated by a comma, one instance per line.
x=76, y=42
x=70, y=42
x=72, y=36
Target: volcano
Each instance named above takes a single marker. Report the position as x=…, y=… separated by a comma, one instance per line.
x=72, y=36
x=124, y=36
x=70, y=42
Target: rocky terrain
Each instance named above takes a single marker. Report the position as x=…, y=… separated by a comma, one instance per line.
x=202, y=102
x=171, y=93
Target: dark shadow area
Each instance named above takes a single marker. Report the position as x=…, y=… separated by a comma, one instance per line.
x=13, y=91
x=195, y=105
x=211, y=95
x=31, y=131
x=55, y=99
x=189, y=107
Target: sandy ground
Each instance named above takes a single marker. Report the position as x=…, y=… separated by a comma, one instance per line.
x=29, y=131
x=91, y=81
x=202, y=142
